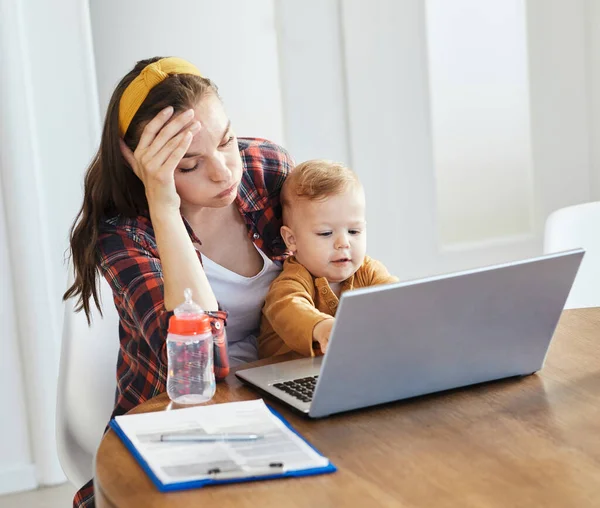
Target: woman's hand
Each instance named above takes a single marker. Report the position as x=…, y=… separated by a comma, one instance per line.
x=158, y=153
x=321, y=333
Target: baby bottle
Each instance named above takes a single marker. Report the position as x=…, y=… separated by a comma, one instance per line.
x=190, y=378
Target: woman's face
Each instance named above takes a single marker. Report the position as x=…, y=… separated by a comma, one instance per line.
x=210, y=172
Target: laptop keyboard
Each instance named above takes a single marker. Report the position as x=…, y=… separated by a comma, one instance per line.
x=301, y=388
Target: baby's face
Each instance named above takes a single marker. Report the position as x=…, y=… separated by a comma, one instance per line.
x=329, y=236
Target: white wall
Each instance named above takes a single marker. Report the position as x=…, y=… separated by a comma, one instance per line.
x=232, y=42
x=592, y=63
x=357, y=76
x=560, y=102
x=313, y=79
x=389, y=123
x=479, y=95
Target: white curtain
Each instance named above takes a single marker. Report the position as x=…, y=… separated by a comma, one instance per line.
x=48, y=130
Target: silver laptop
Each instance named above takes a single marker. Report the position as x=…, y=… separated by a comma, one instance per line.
x=412, y=338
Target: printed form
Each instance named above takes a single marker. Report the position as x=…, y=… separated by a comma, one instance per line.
x=221, y=441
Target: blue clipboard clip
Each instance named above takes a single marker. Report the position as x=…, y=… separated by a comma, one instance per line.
x=240, y=471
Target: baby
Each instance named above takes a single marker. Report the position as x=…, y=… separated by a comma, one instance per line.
x=325, y=230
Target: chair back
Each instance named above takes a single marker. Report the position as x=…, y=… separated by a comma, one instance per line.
x=572, y=227
x=86, y=384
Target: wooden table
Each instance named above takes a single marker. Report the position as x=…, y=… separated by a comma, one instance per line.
x=530, y=442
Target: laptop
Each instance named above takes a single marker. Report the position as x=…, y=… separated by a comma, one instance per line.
x=407, y=339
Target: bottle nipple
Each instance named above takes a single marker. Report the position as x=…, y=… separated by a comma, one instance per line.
x=188, y=308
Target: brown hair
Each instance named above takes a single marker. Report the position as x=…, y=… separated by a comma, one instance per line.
x=317, y=179
x=111, y=187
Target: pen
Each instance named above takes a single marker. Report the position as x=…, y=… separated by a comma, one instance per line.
x=208, y=438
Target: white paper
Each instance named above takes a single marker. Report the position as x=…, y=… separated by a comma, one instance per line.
x=176, y=462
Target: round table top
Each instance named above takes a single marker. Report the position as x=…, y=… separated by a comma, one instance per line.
x=529, y=441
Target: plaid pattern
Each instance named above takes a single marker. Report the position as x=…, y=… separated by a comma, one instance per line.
x=130, y=263
x=84, y=498
x=266, y=166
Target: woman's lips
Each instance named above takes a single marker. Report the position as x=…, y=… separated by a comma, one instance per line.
x=227, y=191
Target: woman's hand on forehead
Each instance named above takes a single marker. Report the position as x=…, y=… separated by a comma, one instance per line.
x=164, y=142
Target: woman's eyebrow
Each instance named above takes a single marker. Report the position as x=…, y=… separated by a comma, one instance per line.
x=195, y=154
x=226, y=129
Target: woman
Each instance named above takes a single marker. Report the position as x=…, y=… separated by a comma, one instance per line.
x=174, y=200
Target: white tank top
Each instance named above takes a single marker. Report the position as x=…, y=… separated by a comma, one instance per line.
x=243, y=298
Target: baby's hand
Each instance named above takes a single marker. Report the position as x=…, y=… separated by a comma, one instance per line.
x=321, y=333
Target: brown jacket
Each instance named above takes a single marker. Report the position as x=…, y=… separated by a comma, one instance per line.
x=297, y=301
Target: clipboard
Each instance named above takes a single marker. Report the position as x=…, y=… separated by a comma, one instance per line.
x=225, y=472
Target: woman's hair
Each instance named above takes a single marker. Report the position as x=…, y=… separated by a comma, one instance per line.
x=111, y=187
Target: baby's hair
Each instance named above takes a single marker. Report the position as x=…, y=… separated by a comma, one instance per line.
x=317, y=179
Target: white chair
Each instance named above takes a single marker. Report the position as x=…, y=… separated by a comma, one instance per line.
x=572, y=227
x=86, y=384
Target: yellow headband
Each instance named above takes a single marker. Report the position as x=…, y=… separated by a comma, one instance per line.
x=137, y=91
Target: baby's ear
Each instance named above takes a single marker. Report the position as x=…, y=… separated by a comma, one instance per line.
x=288, y=237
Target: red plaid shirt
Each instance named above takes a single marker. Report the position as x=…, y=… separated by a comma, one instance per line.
x=130, y=263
